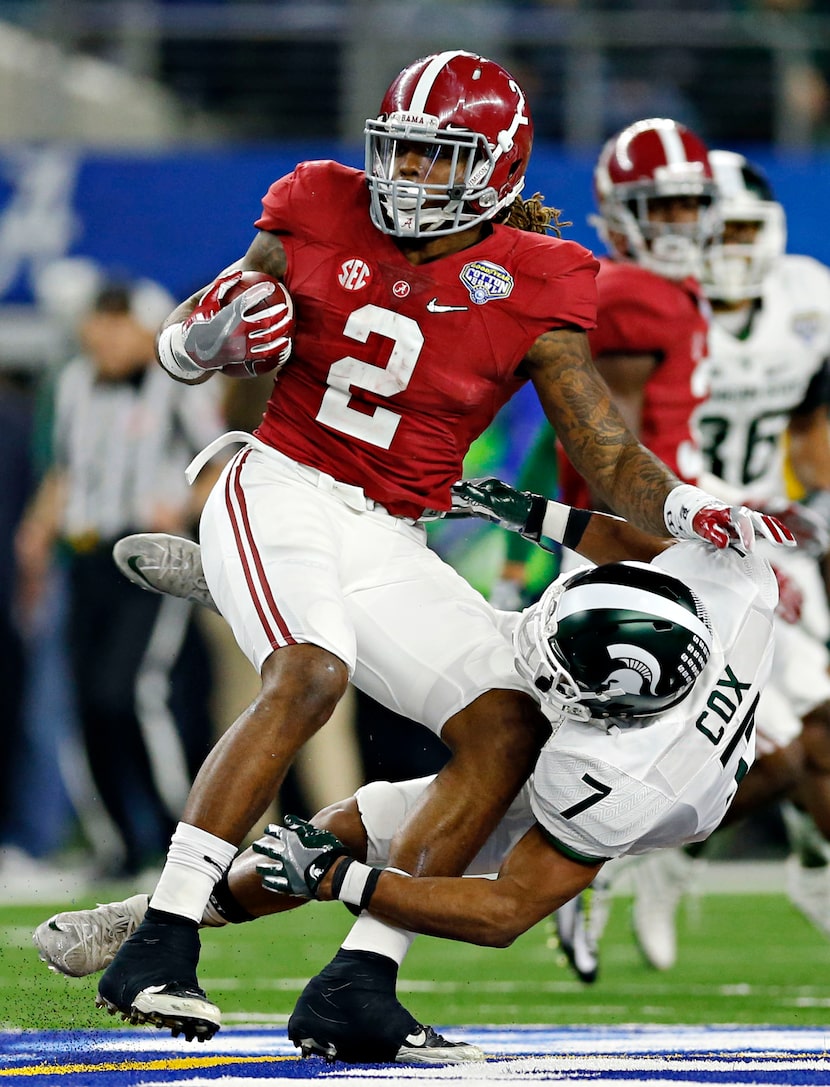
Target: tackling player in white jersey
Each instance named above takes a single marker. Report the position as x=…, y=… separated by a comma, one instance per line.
x=768, y=368
x=769, y=386
x=649, y=673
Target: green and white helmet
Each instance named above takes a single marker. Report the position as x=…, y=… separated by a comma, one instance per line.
x=624, y=641
x=735, y=271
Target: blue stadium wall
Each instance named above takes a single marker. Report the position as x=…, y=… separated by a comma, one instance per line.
x=178, y=217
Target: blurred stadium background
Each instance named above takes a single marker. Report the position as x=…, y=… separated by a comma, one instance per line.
x=138, y=136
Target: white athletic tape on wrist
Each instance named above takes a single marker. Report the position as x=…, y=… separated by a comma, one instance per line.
x=555, y=520
x=354, y=882
x=173, y=356
x=682, y=504
x=562, y=524
x=357, y=884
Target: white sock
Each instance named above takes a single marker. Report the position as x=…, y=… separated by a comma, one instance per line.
x=369, y=934
x=195, y=860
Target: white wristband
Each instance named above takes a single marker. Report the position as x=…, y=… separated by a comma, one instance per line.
x=173, y=356
x=354, y=883
x=682, y=504
x=555, y=520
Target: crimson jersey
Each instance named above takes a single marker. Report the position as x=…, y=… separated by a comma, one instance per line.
x=396, y=369
x=641, y=313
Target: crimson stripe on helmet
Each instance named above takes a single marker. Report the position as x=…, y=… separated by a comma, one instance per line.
x=428, y=77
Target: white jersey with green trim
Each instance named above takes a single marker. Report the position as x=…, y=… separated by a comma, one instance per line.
x=604, y=789
x=758, y=378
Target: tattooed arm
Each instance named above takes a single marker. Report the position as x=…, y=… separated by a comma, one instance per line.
x=622, y=472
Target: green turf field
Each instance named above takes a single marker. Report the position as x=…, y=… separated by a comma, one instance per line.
x=743, y=959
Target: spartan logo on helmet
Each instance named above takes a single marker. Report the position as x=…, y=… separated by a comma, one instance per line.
x=449, y=148
x=634, y=670
x=621, y=641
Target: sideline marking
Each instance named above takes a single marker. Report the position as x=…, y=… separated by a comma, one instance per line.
x=164, y=1064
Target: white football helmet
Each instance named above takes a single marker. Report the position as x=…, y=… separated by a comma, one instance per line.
x=648, y=160
x=624, y=641
x=735, y=271
x=463, y=111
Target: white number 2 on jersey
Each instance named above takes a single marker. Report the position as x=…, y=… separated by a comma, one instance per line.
x=377, y=428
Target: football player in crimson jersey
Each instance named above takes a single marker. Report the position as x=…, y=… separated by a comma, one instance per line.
x=425, y=292
x=657, y=213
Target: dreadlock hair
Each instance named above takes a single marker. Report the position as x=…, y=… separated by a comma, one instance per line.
x=532, y=215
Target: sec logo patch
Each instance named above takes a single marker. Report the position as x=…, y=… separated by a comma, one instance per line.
x=354, y=274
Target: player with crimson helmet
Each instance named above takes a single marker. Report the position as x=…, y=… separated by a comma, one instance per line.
x=657, y=213
x=424, y=292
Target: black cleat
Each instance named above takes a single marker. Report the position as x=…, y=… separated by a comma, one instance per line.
x=152, y=980
x=428, y=1047
x=349, y=1012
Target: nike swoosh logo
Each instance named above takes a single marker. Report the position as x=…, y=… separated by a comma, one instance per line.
x=434, y=307
x=132, y=562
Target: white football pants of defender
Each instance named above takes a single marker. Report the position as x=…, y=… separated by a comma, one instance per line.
x=292, y=555
x=383, y=806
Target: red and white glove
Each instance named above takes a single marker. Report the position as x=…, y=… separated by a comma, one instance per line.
x=692, y=514
x=230, y=328
x=810, y=528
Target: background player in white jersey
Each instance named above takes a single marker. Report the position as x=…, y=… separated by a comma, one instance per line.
x=649, y=674
x=425, y=294
x=769, y=344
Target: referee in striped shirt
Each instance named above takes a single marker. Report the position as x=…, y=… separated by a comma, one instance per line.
x=123, y=434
